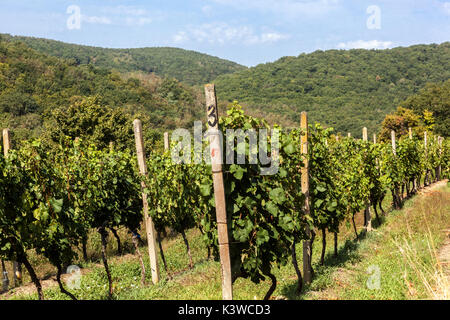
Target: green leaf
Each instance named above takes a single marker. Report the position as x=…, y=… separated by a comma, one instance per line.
x=57, y=204
x=277, y=195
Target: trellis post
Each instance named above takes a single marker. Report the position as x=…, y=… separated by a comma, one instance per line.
x=307, y=245
x=166, y=141
x=149, y=226
x=17, y=272
x=367, y=216
x=219, y=191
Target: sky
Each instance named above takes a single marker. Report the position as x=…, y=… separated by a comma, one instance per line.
x=249, y=32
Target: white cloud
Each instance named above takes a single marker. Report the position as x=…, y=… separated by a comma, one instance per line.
x=273, y=37
x=287, y=8
x=361, y=44
x=207, y=10
x=222, y=33
x=138, y=21
x=128, y=15
x=125, y=10
x=95, y=19
x=446, y=7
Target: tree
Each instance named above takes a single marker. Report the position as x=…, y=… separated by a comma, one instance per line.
x=93, y=122
x=402, y=119
x=433, y=98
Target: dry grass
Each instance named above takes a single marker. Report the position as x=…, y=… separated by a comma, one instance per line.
x=434, y=275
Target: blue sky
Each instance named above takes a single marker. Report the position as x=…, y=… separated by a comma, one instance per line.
x=246, y=31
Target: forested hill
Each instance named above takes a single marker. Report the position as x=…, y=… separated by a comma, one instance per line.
x=343, y=89
x=33, y=85
x=190, y=67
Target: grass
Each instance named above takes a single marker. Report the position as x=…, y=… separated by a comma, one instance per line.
x=402, y=250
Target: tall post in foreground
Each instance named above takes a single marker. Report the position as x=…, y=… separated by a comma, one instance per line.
x=17, y=272
x=367, y=217
x=149, y=226
x=219, y=191
x=166, y=141
x=307, y=263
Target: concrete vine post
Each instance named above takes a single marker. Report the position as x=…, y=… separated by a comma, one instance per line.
x=150, y=228
x=307, y=244
x=212, y=113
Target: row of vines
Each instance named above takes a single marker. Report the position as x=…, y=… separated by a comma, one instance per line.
x=51, y=198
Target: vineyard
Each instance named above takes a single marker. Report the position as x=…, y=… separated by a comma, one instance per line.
x=53, y=197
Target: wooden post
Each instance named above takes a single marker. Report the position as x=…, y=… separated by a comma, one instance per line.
x=307, y=244
x=367, y=216
x=17, y=274
x=219, y=191
x=149, y=226
x=440, y=155
x=394, y=147
x=349, y=135
x=365, y=136
x=166, y=141
x=396, y=197
x=425, y=142
x=6, y=142
x=5, y=279
x=377, y=160
x=410, y=138
x=425, y=139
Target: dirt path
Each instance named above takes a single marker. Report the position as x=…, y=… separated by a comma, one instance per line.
x=343, y=278
x=444, y=262
x=29, y=288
